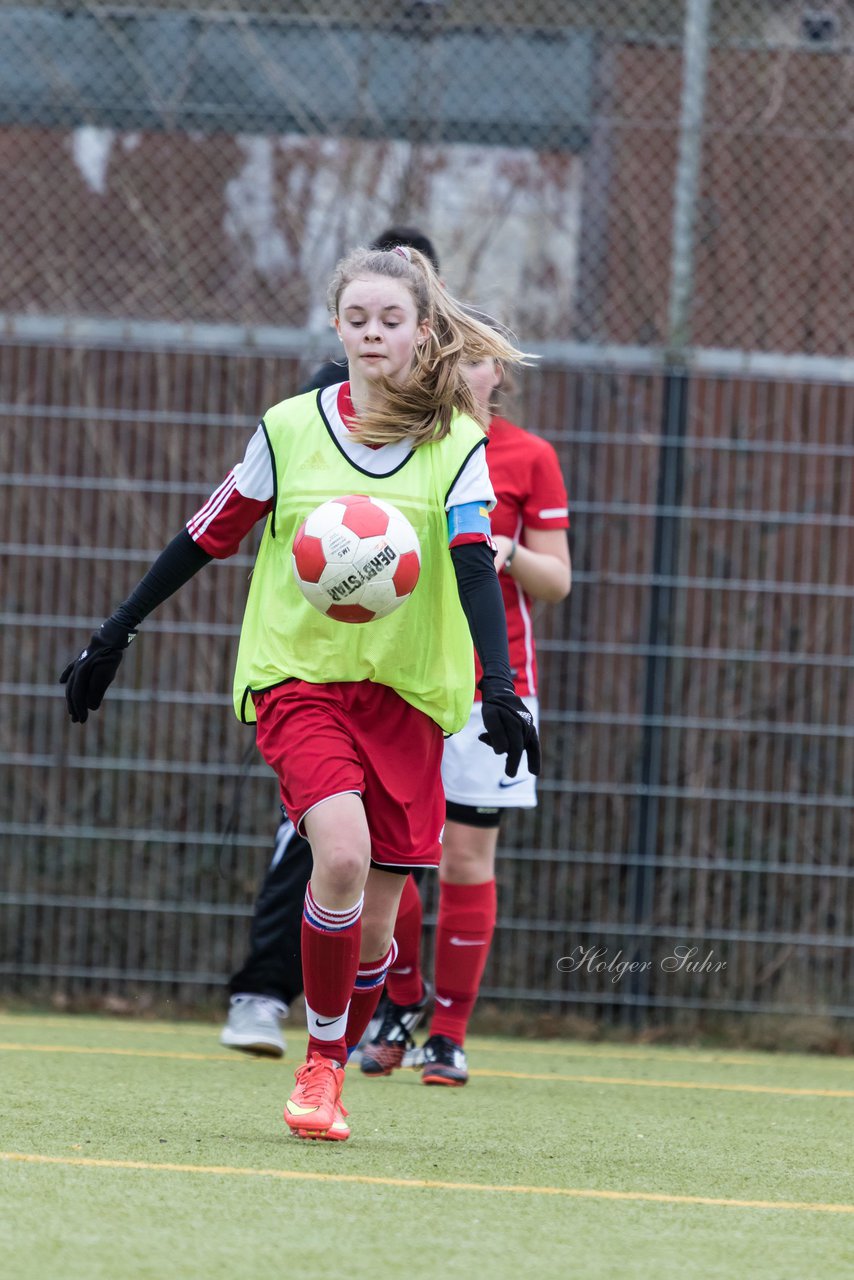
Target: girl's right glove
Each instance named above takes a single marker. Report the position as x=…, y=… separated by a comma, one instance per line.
x=88, y=677
x=509, y=725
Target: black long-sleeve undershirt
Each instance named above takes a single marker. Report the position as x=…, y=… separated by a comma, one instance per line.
x=175, y=565
x=477, y=583
x=483, y=605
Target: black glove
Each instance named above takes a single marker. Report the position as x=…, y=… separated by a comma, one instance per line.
x=509, y=725
x=88, y=677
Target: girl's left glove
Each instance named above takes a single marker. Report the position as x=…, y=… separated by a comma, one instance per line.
x=509, y=725
x=88, y=677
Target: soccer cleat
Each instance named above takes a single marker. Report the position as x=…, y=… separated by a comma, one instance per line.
x=393, y=1041
x=253, y=1026
x=314, y=1108
x=355, y=1055
x=444, y=1062
x=338, y=1131
x=412, y=1057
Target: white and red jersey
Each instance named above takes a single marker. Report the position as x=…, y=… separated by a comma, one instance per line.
x=246, y=494
x=528, y=482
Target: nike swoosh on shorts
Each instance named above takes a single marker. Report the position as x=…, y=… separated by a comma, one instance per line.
x=511, y=782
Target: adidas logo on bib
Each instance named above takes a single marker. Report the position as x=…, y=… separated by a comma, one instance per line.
x=316, y=462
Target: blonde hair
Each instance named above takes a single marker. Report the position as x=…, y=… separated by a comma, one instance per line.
x=507, y=389
x=421, y=408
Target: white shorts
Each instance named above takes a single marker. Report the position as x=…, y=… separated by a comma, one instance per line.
x=473, y=774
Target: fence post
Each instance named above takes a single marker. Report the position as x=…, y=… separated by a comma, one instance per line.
x=669, y=488
x=687, y=179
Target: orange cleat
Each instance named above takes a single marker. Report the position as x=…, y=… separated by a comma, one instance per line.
x=314, y=1108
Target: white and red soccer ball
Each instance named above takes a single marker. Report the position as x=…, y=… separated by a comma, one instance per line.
x=356, y=558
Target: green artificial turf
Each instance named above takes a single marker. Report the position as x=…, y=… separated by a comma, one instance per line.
x=543, y=1163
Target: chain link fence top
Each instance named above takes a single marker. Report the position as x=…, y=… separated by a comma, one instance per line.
x=655, y=196
x=208, y=162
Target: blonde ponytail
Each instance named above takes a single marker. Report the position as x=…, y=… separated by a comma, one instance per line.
x=421, y=408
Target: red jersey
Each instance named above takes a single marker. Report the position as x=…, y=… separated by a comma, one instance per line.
x=531, y=493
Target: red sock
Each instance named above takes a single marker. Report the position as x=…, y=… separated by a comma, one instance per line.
x=404, y=984
x=367, y=990
x=463, y=935
x=330, y=959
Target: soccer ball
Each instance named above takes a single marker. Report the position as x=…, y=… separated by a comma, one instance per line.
x=356, y=558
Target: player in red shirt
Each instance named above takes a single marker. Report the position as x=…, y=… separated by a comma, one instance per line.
x=529, y=525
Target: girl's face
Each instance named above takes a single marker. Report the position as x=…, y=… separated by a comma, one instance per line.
x=378, y=323
x=483, y=376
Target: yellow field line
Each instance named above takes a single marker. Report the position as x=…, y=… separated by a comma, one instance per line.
x=654, y=1053
x=558, y=1049
x=577, y=1193
x=124, y=1022
x=671, y=1084
x=117, y=1053
x=551, y=1077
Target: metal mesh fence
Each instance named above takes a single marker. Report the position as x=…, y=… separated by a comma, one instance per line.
x=697, y=691
x=656, y=197
x=209, y=162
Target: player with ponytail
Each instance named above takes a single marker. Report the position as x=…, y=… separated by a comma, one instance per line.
x=354, y=728
x=421, y=408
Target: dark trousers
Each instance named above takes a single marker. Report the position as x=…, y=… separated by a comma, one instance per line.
x=273, y=966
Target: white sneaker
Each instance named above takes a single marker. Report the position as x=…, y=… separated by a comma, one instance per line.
x=253, y=1026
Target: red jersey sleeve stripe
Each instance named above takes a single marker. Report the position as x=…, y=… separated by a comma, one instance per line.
x=227, y=522
x=198, y=524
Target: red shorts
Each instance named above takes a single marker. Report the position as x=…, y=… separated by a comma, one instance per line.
x=323, y=740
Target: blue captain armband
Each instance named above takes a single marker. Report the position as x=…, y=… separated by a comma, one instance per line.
x=468, y=522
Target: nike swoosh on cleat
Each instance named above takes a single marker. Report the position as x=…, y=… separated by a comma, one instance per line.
x=295, y=1109
x=463, y=942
